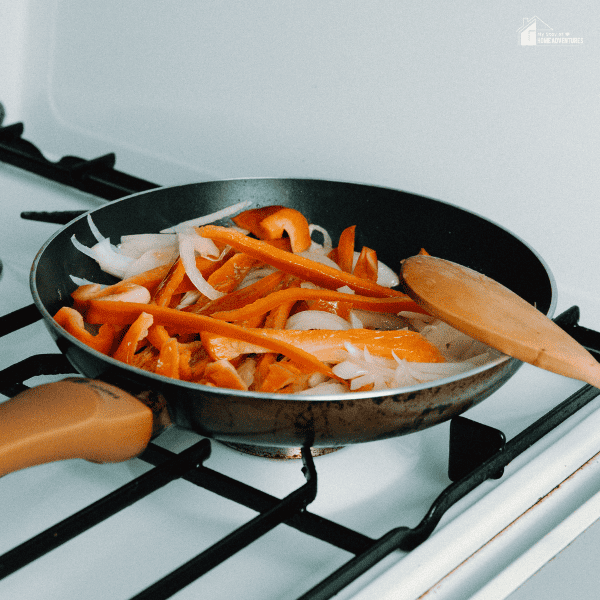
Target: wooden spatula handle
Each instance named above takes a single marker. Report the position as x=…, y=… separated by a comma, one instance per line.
x=72, y=418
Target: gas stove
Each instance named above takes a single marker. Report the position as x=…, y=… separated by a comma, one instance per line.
x=442, y=101
x=347, y=521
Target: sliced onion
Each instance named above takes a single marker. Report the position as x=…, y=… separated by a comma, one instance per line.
x=79, y=281
x=104, y=254
x=255, y=275
x=187, y=252
x=189, y=298
x=327, y=244
x=95, y=231
x=332, y=387
x=138, y=244
x=385, y=276
x=150, y=260
x=316, y=319
x=82, y=248
x=320, y=258
x=215, y=216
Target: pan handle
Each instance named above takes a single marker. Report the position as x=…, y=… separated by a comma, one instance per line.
x=72, y=418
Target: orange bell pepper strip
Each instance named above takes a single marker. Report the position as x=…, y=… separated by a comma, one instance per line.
x=279, y=375
x=223, y=374
x=250, y=219
x=325, y=344
x=123, y=313
x=304, y=268
x=345, y=249
x=341, y=309
x=239, y=297
x=367, y=265
x=290, y=221
x=135, y=334
x=278, y=316
x=72, y=321
x=168, y=359
x=228, y=276
x=263, y=305
x=170, y=283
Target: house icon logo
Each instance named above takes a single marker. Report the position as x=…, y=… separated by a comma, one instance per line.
x=528, y=32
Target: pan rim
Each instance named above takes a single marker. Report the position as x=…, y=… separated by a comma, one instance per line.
x=162, y=380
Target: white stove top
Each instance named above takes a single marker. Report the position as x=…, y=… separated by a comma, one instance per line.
x=371, y=488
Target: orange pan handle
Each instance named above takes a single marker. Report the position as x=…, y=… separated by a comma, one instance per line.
x=72, y=418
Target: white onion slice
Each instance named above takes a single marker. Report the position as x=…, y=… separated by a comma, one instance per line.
x=150, y=260
x=95, y=231
x=187, y=252
x=255, y=275
x=104, y=254
x=215, y=216
x=320, y=258
x=327, y=244
x=79, y=281
x=189, y=298
x=138, y=244
x=386, y=277
x=332, y=387
x=316, y=319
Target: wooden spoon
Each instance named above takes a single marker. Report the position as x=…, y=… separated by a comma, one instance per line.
x=496, y=316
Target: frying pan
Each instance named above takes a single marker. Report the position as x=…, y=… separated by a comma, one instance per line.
x=395, y=223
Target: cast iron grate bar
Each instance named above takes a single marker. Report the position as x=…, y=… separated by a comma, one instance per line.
x=239, y=539
x=18, y=319
x=96, y=176
x=104, y=508
x=241, y=493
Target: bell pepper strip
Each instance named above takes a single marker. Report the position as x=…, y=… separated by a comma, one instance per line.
x=126, y=290
x=279, y=375
x=251, y=218
x=72, y=321
x=146, y=359
x=157, y=336
x=345, y=249
x=278, y=316
x=241, y=297
x=263, y=363
x=170, y=283
x=123, y=313
x=325, y=344
x=223, y=374
x=168, y=359
x=148, y=279
x=227, y=277
x=135, y=334
x=300, y=266
x=367, y=266
x=286, y=220
x=342, y=309
x=263, y=305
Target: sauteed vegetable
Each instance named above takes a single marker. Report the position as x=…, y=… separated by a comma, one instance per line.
x=261, y=306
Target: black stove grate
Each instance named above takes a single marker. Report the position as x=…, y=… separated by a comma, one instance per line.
x=485, y=460
x=470, y=463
